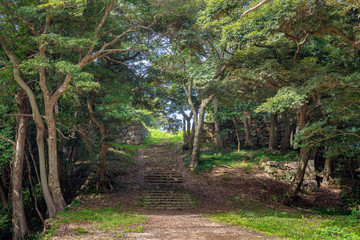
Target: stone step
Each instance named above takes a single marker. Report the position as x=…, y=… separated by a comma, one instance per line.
x=162, y=181
x=161, y=170
x=158, y=182
x=167, y=200
x=164, y=187
x=163, y=178
x=169, y=193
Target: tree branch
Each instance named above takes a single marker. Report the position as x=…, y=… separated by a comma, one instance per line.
x=254, y=8
x=8, y=140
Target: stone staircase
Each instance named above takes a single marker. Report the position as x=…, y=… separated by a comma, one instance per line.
x=163, y=183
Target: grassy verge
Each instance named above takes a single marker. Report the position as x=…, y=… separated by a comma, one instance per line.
x=104, y=219
x=247, y=158
x=293, y=225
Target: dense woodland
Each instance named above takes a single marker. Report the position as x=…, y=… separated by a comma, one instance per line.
x=72, y=73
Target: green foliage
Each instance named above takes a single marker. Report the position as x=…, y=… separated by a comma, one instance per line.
x=292, y=224
x=285, y=98
x=5, y=222
x=6, y=148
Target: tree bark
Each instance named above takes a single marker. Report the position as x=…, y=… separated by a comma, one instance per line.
x=49, y=104
x=247, y=128
x=19, y=224
x=237, y=133
x=40, y=129
x=327, y=170
x=103, y=181
x=184, y=130
x=304, y=152
x=192, y=133
x=54, y=181
x=218, y=140
x=287, y=133
x=195, y=155
x=187, y=130
x=273, y=133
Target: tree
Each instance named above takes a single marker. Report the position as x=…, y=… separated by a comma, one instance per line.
x=19, y=224
x=65, y=37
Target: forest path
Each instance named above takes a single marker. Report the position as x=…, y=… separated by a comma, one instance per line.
x=177, y=220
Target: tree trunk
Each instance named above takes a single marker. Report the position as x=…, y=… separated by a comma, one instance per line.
x=247, y=128
x=54, y=181
x=40, y=129
x=187, y=130
x=184, y=130
x=195, y=155
x=287, y=133
x=19, y=224
x=304, y=159
x=273, y=133
x=103, y=181
x=304, y=152
x=188, y=124
x=237, y=133
x=327, y=170
x=218, y=140
x=192, y=133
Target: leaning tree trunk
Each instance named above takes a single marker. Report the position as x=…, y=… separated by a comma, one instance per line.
x=19, y=224
x=287, y=133
x=247, y=128
x=195, y=155
x=304, y=156
x=40, y=129
x=219, y=142
x=273, y=133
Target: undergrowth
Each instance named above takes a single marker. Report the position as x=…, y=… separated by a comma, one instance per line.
x=247, y=158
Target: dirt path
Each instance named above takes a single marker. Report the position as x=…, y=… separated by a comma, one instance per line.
x=138, y=180
x=180, y=224
x=175, y=226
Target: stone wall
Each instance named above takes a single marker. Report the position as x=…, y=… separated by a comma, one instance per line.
x=259, y=132
x=287, y=171
x=134, y=134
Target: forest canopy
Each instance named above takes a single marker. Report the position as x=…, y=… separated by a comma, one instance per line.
x=73, y=73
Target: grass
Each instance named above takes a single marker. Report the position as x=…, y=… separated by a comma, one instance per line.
x=104, y=219
x=247, y=158
x=156, y=136
x=294, y=224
